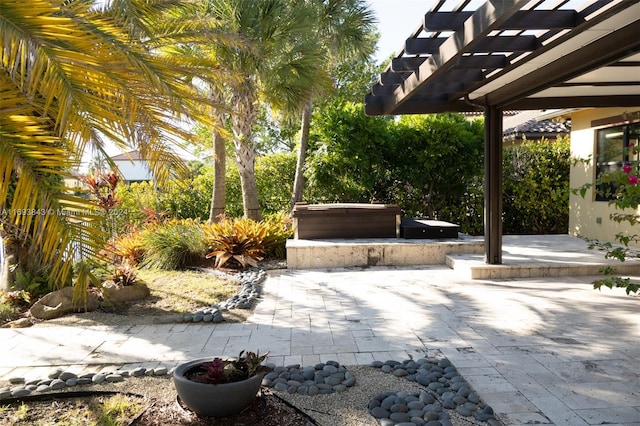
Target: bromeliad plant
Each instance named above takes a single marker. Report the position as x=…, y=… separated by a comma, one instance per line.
x=220, y=370
x=236, y=243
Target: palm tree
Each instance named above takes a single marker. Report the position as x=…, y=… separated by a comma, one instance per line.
x=345, y=29
x=75, y=73
x=279, y=64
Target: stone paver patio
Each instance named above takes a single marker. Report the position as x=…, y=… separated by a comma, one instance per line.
x=545, y=350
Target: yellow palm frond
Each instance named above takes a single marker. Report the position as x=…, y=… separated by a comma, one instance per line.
x=73, y=73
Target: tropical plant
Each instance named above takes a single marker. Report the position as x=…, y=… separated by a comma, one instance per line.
x=221, y=370
x=77, y=72
x=279, y=65
x=279, y=228
x=345, y=29
x=129, y=247
x=237, y=243
x=173, y=245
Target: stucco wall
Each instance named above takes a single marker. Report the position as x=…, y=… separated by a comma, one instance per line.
x=587, y=217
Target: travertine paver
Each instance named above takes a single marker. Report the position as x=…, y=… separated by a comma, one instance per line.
x=539, y=350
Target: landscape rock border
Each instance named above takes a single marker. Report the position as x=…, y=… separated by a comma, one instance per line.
x=444, y=388
x=320, y=379
x=250, y=291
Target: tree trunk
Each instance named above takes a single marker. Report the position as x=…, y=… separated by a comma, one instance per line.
x=245, y=158
x=245, y=112
x=298, y=183
x=6, y=278
x=218, y=195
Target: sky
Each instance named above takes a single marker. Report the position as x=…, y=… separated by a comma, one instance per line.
x=396, y=20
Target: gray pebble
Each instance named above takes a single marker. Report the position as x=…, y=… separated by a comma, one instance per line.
x=400, y=372
x=65, y=375
x=138, y=372
x=57, y=384
x=20, y=392
x=55, y=373
x=340, y=388
x=399, y=417
x=282, y=387
x=160, y=371
x=114, y=378
x=380, y=413
x=350, y=381
x=399, y=408
x=330, y=369
x=463, y=411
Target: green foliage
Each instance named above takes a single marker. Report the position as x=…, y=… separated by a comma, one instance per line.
x=236, y=243
x=278, y=229
x=129, y=248
x=440, y=155
x=32, y=283
x=625, y=196
x=134, y=199
x=274, y=176
x=618, y=282
x=536, y=187
x=432, y=166
x=190, y=198
x=422, y=163
x=346, y=155
x=173, y=245
x=468, y=210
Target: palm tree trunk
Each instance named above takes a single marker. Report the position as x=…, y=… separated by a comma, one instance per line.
x=245, y=158
x=5, y=272
x=245, y=112
x=298, y=183
x=218, y=195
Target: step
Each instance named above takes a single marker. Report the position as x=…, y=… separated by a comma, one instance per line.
x=342, y=253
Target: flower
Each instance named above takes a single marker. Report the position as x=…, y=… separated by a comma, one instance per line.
x=626, y=168
x=633, y=179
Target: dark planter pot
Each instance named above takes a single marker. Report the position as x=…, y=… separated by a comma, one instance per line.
x=211, y=400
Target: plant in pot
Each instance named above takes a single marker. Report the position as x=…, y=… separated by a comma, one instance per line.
x=220, y=387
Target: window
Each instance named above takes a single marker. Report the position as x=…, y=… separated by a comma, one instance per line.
x=615, y=148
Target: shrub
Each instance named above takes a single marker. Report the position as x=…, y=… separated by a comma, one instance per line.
x=536, y=187
x=173, y=245
x=129, y=247
x=279, y=229
x=237, y=243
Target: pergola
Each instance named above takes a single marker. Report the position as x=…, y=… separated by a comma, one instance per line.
x=496, y=55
